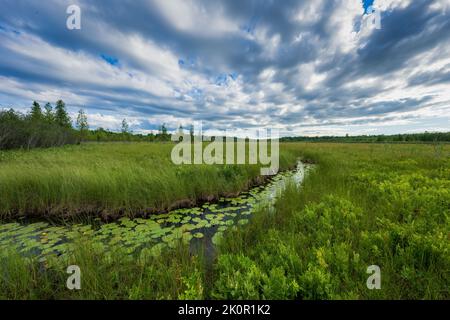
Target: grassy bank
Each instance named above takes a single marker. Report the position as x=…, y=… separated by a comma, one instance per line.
x=112, y=179
x=385, y=205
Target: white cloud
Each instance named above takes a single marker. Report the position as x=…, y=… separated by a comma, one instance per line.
x=306, y=69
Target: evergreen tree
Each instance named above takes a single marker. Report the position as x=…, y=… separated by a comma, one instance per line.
x=165, y=136
x=36, y=111
x=61, y=116
x=164, y=129
x=48, y=114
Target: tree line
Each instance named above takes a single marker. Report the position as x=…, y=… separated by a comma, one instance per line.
x=39, y=128
x=410, y=137
x=49, y=127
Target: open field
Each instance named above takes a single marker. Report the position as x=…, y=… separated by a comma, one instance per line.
x=362, y=205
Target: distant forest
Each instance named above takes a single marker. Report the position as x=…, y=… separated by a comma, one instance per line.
x=48, y=127
x=410, y=137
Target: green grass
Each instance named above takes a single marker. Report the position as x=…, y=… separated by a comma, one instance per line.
x=112, y=179
x=115, y=275
x=364, y=204
x=385, y=205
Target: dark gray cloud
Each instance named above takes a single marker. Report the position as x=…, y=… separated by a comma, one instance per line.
x=232, y=63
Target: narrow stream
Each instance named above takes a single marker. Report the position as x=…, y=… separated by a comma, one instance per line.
x=200, y=226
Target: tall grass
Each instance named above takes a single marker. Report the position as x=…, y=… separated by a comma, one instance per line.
x=115, y=275
x=111, y=178
x=385, y=205
x=363, y=205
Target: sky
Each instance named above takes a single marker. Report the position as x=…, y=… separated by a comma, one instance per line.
x=318, y=67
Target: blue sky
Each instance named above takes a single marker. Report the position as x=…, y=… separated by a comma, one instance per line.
x=306, y=67
x=367, y=4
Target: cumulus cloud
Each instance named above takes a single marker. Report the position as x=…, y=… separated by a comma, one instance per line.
x=309, y=67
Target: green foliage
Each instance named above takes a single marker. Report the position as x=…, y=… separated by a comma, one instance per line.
x=412, y=137
x=268, y=275
x=194, y=287
x=316, y=283
x=333, y=219
x=110, y=179
x=61, y=116
x=386, y=205
x=362, y=205
x=50, y=128
x=163, y=135
x=239, y=277
x=36, y=129
x=36, y=112
x=82, y=124
x=114, y=275
x=48, y=114
x=125, y=128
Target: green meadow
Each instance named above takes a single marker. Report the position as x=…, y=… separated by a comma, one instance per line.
x=359, y=205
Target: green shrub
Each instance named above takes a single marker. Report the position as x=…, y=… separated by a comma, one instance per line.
x=239, y=277
x=315, y=284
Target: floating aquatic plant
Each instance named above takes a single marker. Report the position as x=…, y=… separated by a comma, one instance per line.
x=147, y=235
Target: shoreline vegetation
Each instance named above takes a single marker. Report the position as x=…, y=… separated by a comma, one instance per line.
x=385, y=205
x=111, y=180
x=364, y=204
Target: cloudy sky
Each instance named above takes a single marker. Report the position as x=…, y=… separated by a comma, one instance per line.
x=306, y=67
